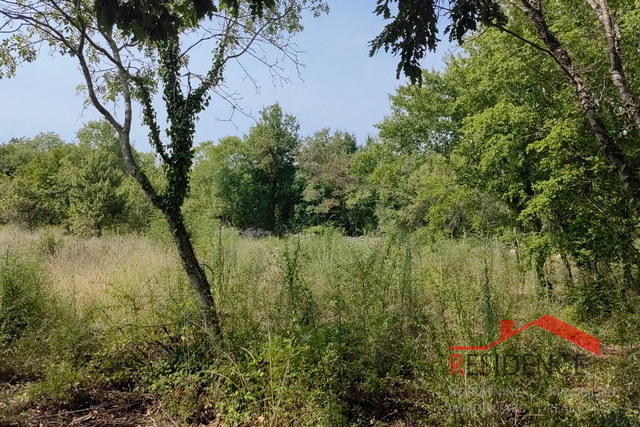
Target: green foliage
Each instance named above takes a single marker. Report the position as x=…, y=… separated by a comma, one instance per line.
x=94, y=200
x=517, y=152
x=24, y=299
x=251, y=182
x=223, y=183
x=45, y=181
x=423, y=118
x=413, y=29
x=494, y=152
x=267, y=181
x=385, y=170
x=156, y=21
x=333, y=194
x=36, y=191
x=417, y=187
x=100, y=135
x=331, y=330
x=439, y=202
x=275, y=141
x=524, y=141
x=19, y=152
x=321, y=330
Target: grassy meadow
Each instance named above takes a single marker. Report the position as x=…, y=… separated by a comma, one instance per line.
x=320, y=330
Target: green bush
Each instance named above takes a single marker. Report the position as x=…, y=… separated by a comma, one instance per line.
x=23, y=296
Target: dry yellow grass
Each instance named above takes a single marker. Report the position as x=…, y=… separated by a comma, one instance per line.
x=86, y=268
x=13, y=238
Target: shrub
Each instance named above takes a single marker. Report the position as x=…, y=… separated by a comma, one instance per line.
x=23, y=296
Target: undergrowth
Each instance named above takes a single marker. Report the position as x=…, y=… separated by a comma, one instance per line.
x=320, y=330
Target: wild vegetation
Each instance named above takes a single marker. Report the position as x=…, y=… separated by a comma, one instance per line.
x=503, y=187
x=320, y=329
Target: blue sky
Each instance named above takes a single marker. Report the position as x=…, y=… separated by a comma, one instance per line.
x=343, y=87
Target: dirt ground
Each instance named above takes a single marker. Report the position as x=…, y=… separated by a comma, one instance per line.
x=107, y=409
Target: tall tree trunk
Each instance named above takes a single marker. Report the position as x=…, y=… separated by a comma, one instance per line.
x=197, y=277
x=532, y=9
x=612, y=33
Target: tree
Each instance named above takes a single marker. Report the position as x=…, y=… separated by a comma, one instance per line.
x=127, y=66
x=521, y=138
x=413, y=30
x=384, y=167
x=334, y=194
x=422, y=117
x=35, y=191
x=130, y=208
x=154, y=21
x=252, y=180
x=275, y=140
x=584, y=94
x=20, y=151
x=94, y=198
x=100, y=135
x=324, y=160
x=526, y=141
x=225, y=184
x=607, y=104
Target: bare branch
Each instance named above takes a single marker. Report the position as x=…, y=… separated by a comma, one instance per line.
x=200, y=41
x=527, y=41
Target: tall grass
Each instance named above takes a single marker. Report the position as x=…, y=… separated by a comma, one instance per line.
x=320, y=330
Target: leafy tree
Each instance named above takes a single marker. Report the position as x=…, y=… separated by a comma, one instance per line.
x=100, y=135
x=561, y=173
x=439, y=202
x=384, y=167
x=129, y=208
x=413, y=30
x=548, y=38
x=333, y=193
x=251, y=181
x=423, y=117
x=521, y=138
x=18, y=152
x=275, y=140
x=106, y=59
x=35, y=191
x=95, y=202
x=49, y=182
x=324, y=160
x=139, y=211
x=224, y=183
x=155, y=20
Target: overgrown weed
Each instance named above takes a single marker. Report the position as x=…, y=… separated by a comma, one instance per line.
x=320, y=330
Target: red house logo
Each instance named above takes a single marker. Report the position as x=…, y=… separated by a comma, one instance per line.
x=548, y=323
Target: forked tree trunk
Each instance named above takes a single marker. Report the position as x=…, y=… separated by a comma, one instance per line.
x=173, y=215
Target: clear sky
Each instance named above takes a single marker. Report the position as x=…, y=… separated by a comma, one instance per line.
x=343, y=87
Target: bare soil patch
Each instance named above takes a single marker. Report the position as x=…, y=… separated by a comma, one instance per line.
x=98, y=409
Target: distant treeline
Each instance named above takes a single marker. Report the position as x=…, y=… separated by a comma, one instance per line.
x=271, y=179
x=84, y=187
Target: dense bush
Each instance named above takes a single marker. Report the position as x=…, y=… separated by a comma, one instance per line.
x=24, y=297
